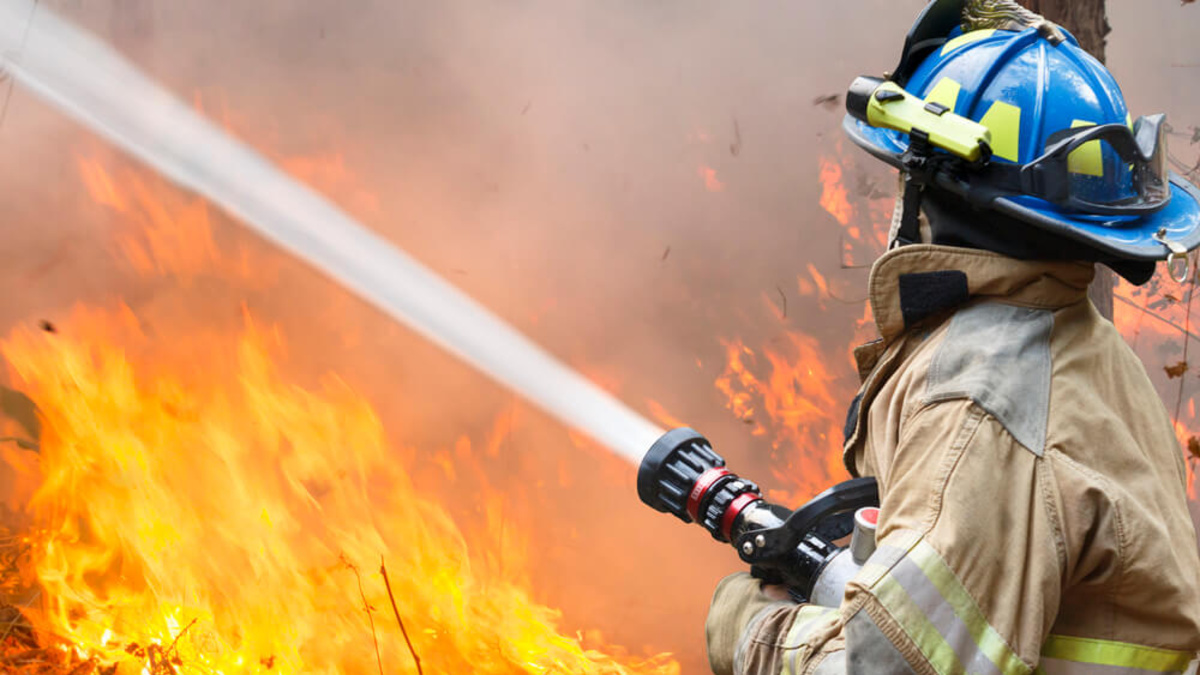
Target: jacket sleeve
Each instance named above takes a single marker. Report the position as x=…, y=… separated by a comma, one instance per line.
x=966, y=577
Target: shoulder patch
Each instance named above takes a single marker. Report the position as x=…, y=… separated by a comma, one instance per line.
x=998, y=356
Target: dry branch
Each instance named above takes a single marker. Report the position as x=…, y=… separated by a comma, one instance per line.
x=367, y=609
x=412, y=650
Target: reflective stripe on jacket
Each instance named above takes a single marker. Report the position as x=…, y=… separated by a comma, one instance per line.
x=1034, y=515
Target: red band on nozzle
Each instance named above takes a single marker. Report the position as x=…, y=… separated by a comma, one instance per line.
x=735, y=509
x=703, y=483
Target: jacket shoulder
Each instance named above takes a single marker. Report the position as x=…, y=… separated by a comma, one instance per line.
x=998, y=356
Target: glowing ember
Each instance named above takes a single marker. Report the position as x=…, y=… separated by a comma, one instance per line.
x=709, y=174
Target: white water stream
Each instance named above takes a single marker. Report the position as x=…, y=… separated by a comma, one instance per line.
x=92, y=83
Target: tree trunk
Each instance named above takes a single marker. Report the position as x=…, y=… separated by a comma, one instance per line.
x=1086, y=19
x=1088, y=22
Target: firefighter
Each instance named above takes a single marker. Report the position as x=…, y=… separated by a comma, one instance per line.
x=1034, y=513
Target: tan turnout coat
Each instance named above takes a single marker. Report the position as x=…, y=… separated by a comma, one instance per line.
x=1034, y=515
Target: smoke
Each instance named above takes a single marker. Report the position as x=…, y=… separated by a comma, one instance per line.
x=621, y=180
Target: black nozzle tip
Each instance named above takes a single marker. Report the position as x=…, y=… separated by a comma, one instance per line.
x=670, y=468
x=655, y=459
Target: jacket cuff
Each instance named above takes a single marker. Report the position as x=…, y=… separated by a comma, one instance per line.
x=737, y=614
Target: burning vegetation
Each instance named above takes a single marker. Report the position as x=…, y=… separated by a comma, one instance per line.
x=194, y=509
x=193, y=501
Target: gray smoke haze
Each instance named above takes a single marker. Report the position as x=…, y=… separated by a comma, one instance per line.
x=548, y=157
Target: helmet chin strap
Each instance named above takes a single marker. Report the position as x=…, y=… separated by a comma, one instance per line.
x=897, y=215
x=902, y=228
x=906, y=228
x=920, y=165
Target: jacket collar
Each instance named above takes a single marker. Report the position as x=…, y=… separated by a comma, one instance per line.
x=913, y=282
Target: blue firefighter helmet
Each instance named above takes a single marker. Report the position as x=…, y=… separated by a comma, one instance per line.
x=1058, y=148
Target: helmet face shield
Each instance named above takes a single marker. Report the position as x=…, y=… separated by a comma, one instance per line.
x=1152, y=177
x=1103, y=169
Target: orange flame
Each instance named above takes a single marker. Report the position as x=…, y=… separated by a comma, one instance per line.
x=865, y=217
x=164, y=233
x=662, y=416
x=834, y=197
x=197, y=505
x=1156, y=322
x=793, y=403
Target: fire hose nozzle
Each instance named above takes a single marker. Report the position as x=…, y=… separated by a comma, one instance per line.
x=682, y=475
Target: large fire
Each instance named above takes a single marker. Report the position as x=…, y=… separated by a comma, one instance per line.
x=196, y=510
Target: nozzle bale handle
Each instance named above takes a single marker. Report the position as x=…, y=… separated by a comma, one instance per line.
x=885, y=104
x=682, y=475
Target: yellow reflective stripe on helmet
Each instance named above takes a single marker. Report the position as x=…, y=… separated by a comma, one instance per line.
x=966, y=39
x=944, y=92
x=1112, y=653
x=808, y=618
x=1004, y=121
x=922, y=593
x=1088, y=159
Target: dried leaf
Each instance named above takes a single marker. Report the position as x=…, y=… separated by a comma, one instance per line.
x=22, y=410
x=1170, y=297
x=23, y=443
x=1193, y=447
x=1176, y=370
x=828, y=101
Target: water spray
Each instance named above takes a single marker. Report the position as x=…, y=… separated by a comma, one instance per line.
x=92, y=83
x=680, y=474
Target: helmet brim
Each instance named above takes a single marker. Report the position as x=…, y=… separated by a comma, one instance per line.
x=1131, y=238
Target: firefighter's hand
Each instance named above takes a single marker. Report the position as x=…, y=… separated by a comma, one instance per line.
x=739, y=597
